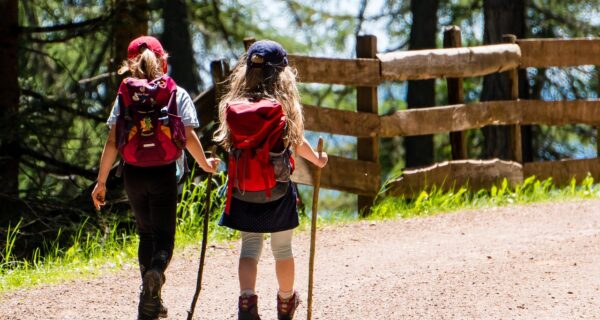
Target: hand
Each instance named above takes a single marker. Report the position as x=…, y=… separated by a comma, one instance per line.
x=322, y=160
x=98, y=195
x=213, y=165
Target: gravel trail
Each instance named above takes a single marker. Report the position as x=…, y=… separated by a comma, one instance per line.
x=539, y=261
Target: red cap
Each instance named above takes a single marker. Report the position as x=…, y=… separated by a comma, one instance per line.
x=137, y=44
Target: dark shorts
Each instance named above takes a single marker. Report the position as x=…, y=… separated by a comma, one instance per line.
x=273, y=216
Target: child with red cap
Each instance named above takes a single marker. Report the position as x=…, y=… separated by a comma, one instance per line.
x=151, y=122
x=261, y=124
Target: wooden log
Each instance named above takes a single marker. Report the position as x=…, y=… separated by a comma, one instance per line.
x=562, y=171
x=219, y=70
x=556, y=113
x=516, y=148
x=367, y=149
x=350, y=123
x=206, y=106
x=458, y=139
x=449, y=118
x=559, y=52
x=248, y=41
x=451, y=63
x=476, y=115
x=355, y=176
x=353, y=72
x=477, y=174
x=598, y=124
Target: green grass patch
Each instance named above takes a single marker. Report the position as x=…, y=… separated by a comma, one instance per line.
x=92, y=251
x=435, y=200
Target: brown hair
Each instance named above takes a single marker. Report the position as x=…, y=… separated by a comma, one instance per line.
x=146, y=65
x=257, y=83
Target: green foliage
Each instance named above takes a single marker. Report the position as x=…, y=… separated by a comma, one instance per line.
x=435, y=200
x=92, y=249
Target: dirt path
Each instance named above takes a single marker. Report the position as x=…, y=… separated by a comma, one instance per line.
x=540, y=261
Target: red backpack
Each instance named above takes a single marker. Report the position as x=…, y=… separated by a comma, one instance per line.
x=260, y=164
x=149, y=131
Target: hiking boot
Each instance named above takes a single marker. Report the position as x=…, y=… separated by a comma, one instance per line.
x=150, y=304
x=287, y=307
x=164, y=312
x=248, y=308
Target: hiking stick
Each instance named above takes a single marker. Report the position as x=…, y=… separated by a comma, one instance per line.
x=213, y=151
x=313, y=232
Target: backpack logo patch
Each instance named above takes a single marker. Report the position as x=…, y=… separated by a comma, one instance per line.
x=149, y=130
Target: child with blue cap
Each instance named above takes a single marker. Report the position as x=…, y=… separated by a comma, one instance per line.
x=263, y=88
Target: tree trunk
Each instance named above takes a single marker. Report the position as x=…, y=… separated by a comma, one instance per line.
x=130, y=21
x=421, y=93
x=9, y=105
x=503, y=17
x=177, y=41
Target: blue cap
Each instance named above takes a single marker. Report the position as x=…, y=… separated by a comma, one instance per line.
x=272, y=52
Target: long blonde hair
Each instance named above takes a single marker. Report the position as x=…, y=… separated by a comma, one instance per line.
x=275, y=83
x=146, y=65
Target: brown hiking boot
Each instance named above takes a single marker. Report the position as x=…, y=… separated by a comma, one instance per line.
x=287, y=307
x=248, y=308
x=150, y=305
x=163, y=312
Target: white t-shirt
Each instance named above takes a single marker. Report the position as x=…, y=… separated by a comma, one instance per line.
x=185, y=109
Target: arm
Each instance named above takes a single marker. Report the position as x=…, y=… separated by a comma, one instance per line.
x=194, y=146
x=109, y=155
x=306, y=151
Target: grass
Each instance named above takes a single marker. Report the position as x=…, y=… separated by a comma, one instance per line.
x=92, y=251
x=435, y=200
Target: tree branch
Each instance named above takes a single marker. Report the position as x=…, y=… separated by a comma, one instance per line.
x=65, y=27
x=58, y=166
x=60, y=106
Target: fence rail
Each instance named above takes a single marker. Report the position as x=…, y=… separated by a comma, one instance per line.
x=544, y=53
x=450, y=63
x=363, y=177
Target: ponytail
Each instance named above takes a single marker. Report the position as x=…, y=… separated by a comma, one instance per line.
x=145, y=66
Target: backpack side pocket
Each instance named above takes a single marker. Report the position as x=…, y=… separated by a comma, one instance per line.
x=281, y=165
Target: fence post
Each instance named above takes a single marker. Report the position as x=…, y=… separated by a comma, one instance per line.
x=513, y=82
x=248, y=41
x=458, y=139
x=366, y=101
x=219, y=69
x=598, y=126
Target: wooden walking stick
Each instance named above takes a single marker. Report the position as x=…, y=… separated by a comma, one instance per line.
x=313, y=232
x=213, y=151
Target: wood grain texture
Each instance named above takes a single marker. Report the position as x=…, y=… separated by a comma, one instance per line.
x=562, y=171
x=559, y=52
x=449, y=118
x=355, y=176
x=560, y=112
x=206, y=106
x=451, y=62
x=353, y=72
x=456, y=95
x=358, y=124
x=477, y=174
x=476, y=115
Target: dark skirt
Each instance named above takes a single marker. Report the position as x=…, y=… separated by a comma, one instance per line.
x=273, y=216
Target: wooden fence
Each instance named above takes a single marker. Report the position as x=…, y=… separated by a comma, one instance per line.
x=362, y=175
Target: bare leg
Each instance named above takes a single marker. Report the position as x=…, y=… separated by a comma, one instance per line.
x=285, y=274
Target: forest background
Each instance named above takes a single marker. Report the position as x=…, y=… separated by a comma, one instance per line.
x=58, y=61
